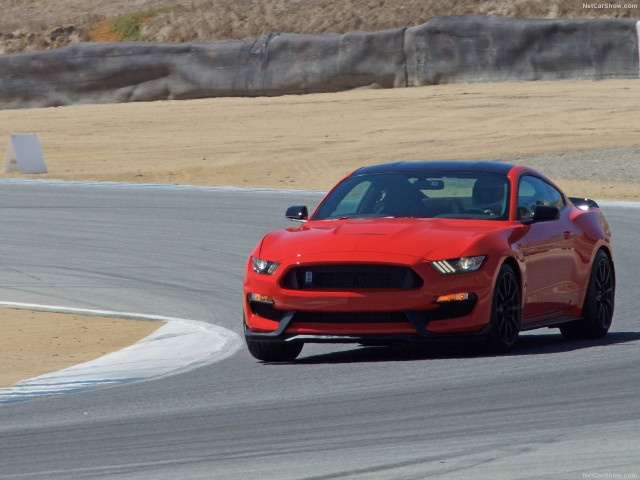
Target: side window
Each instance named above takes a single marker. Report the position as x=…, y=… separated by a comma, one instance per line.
x=533, y=191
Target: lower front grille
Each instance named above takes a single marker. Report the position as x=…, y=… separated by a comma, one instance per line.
x=350, y=317
x=441, y=312
x=346, y=277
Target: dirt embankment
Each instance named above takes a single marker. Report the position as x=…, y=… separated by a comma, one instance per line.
x=28, y=25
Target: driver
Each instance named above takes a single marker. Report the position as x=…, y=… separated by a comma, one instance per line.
x=489, y=195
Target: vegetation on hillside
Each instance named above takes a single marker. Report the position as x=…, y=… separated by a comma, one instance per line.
x=28, y=25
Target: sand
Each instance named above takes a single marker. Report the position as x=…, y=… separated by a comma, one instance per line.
x=310, y=142
x=34, y=343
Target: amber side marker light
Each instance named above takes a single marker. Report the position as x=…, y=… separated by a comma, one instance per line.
x=257, y=297
x=453, y=297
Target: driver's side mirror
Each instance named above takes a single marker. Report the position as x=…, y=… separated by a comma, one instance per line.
x=297, y=212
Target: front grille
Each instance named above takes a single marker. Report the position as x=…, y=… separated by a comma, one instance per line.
x=347, y=277
x=350, y=317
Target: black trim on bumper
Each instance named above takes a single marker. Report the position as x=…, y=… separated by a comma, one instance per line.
x=419, y=319
x=367, y=338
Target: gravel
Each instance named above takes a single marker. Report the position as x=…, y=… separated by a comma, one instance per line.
x=619, y=165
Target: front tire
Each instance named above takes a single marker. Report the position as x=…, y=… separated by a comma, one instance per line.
x=597, y=312
x=505, y=311
x=274, y=351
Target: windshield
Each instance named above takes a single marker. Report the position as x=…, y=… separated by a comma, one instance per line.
x=442, y=195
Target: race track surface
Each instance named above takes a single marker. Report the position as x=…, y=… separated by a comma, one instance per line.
x=552, y=409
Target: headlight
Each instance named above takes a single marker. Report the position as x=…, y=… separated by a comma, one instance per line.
x=458, y=265
x=264, y=267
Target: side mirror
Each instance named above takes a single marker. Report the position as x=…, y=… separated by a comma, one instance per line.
x=545, y=213
x=297, y=212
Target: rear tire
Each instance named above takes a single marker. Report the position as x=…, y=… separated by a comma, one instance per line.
x=274, y=351
x=597, y=312
x=505, y=311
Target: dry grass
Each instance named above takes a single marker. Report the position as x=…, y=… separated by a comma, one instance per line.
x=27, y=25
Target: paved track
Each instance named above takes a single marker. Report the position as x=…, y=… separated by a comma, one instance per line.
x=552, y=409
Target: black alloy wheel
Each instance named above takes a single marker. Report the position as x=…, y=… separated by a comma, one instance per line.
x=505, y=311
x=599, y=302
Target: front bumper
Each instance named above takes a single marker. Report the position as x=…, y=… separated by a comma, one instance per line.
x=415, y=330
x=375, y=314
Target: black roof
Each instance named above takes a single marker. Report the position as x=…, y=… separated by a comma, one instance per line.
x=439, y=167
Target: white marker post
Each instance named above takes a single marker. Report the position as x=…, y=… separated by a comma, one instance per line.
x=25, y=154
x=638, y=33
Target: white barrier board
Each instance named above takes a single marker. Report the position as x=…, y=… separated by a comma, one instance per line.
x=25, y=154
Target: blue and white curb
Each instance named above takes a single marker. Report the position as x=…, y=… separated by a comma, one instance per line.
x=178, y=346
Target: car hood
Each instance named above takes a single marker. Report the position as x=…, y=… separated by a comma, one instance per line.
x=428, y=238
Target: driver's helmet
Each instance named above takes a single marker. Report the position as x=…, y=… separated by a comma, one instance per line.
x=490, y=192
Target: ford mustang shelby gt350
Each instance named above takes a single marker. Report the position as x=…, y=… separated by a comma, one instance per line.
x=418, y=251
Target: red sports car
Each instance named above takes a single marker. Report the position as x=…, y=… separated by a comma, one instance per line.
x=419, y=251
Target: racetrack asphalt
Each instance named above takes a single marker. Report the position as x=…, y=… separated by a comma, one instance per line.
x=551, y=409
